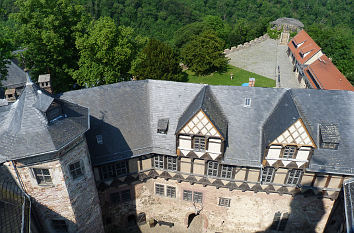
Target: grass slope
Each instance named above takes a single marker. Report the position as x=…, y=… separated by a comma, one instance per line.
x=239, y=76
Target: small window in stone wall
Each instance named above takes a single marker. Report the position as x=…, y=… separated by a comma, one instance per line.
x=114, y=170
x=198, y=197
x=160, y=189
x=187, y=195
x=171, y=192
x=76, y=169
x=59, y=225
x=125, y=195
x=42, y=176
x=224, y=201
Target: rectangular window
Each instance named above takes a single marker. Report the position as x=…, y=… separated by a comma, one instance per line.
x=289, y=152
x=226, y=171
x=267, y=174
x=159, y=161
x=114, y=170
x=224, y=201
x=171, y=192
x=171, y=163
x=199, y=143
x=99, y=139
x=294, y=176
x=59, y=225
x=198, y=197
x=42, y=176
x=125, y=195
x=115, y=197
x=212, y=168
x=187, y=195
x=75, y=170
x=247, y=102
x=160, y=189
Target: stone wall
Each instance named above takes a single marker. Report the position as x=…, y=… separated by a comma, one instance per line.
x=248, y=211
x=75, y=201
x=247, y=44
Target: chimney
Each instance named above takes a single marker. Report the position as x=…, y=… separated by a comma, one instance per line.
x=251, y=82
x=44, y=82
x=10, y=95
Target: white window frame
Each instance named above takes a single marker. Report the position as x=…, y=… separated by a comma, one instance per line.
x=189, y=197
x=171, y=163
x=197, y=197
x=225, y=169
x=169, y=192
x=248, y=102
x=267, y=175
x=199, y=143
x=159, y=188
x=212, y=169
x=289, y=152
x=294, y=176
x=80, y=168
x=159, y=161
x=36, y=175
x=224, y=201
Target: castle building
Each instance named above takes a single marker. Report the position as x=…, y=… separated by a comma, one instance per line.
x=312, y=68
x=217, y=158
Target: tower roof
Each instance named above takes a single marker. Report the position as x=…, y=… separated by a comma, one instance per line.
x=39, y=123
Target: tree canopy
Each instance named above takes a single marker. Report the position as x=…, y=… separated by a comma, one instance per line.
x=106, y=53
x=5, y=55
x=204, y=54
x=157, y=60
x=46, y=29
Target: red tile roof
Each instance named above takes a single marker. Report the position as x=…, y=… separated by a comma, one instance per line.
x=326, y=75
x=309, y=45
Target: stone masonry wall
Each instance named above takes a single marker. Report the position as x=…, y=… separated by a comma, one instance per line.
x=74, y=201
x=248, y=212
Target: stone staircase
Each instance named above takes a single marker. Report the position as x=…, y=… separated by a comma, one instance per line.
x=284, y=38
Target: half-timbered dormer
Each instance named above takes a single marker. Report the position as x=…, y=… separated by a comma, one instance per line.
x=288, y=142
x=202, y=128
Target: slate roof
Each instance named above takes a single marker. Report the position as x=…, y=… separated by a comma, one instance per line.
x=16, y=77
x=206, y=101
x=127, y=114
x=25, y=130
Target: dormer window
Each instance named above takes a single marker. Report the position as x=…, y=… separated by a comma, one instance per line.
x=289, y=152
x=162, y=126
x=329, y=136
x=54, y=112
x=199, y=143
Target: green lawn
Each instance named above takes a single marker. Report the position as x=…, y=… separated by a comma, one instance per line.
x=239, y=76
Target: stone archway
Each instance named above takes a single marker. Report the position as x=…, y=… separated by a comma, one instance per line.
x=195, y=221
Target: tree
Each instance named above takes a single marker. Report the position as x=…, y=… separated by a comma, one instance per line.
x=47, y=30
x=157, y=60
x=5, y=55
x=106, y=53
x=204, y=54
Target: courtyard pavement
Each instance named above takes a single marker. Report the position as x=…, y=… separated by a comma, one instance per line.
x=263, y=59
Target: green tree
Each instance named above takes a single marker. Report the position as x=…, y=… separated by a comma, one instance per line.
x=106, y=53
x=204, y=54
x=5, y=54
x=47, y=30
x=157, y=60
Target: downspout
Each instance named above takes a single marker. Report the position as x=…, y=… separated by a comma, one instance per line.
x=24, y=202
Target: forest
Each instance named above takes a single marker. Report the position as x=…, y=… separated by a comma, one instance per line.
x=74, y=39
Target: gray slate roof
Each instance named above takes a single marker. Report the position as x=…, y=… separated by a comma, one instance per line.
x=16, y=77
x=25, y=130
x=127, y=116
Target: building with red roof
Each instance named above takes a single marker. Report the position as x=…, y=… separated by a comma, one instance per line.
x=313, y=68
